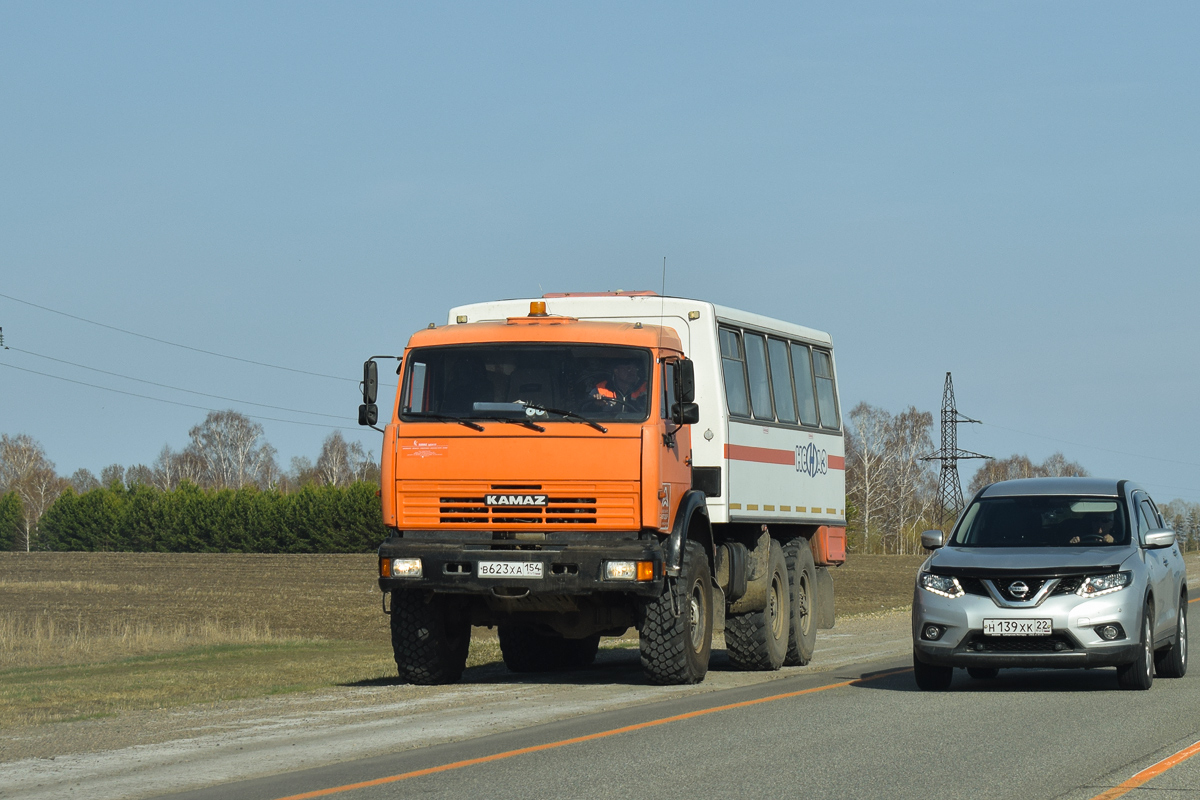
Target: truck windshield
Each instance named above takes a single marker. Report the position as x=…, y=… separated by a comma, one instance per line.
x=1043, y=521
x=522, y=380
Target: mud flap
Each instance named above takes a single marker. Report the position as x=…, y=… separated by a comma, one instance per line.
x=825, y=609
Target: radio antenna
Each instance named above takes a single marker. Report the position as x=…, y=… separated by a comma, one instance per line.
x=662, y=303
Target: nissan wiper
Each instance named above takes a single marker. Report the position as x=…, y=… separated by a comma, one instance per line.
x=446, y=418
x=568, y=415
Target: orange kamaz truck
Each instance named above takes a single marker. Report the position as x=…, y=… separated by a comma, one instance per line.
x=539, y=477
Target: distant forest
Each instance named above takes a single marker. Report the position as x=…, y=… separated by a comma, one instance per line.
x=225, y=492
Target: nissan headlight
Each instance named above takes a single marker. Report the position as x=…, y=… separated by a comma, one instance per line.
x=1097, y=585
x=942, y=585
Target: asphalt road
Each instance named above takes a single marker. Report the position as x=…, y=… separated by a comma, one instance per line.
x=862, y=731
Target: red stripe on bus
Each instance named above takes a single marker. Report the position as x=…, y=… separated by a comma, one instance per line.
x=763, y=455
x=767, y=455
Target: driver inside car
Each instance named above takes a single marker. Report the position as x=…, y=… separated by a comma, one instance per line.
x=1101, y=530
x=625, y=389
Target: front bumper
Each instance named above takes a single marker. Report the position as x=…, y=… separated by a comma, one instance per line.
x=569, y=568
x=1073, y=620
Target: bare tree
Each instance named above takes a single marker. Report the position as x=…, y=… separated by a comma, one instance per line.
x=1019, y=466
x=339, y=460
x=83, y=480
x=139, y=474
x=113, y=474
x=228, y=445
x=868, y=462
x=913, y=484
x=24, y=469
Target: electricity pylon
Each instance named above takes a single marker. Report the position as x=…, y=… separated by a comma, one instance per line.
x=950, y=496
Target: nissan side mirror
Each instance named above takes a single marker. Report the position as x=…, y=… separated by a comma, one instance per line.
x=1158, y=538
x=685, y=380
x=932, y=540
x=370, y=384
x=368, y=414
x=685, y=413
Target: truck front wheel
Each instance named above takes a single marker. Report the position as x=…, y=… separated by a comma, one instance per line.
x=676, y=638
x=429, y=640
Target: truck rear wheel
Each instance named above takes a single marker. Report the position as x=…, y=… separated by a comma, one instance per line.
x=802, y=573
x=676, y=638
x=429, y=641
x=526, y=650
x=758, y=640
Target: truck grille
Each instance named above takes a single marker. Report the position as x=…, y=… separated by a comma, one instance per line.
x=567, y=505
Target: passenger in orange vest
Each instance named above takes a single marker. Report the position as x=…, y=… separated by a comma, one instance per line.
x=625, y=389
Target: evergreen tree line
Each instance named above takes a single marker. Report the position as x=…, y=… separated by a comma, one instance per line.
x=223, y=492
x=190, y=519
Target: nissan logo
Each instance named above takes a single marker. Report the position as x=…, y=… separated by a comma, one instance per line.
x=1018, y=589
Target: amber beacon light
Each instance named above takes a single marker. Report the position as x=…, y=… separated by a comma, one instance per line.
x=537, y=308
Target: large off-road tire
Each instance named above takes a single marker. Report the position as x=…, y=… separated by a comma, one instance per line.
x=1172, y=662
x=526, y=650
x=758, y=640
x=676, y=637
x=802, y=576
x=930, y=677
x=429, y=640
x=1139, y=673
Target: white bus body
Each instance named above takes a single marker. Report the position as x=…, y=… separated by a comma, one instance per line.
x=778, y=455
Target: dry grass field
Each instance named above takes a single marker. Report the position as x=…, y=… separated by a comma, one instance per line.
x=92, y=634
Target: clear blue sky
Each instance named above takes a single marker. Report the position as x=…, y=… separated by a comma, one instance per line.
x=1004, y=190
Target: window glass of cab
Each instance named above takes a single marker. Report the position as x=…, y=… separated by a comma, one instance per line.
x=756, y=369
x=668, y=389
x=802, y=376
x=735, y=375
x=781, y=381
x=826, y=399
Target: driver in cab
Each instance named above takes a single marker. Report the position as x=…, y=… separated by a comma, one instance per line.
x=1101, y=531
x=625, y=389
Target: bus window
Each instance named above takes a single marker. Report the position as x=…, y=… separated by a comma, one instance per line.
x=802, y=374
x=781, y=381
x=826, y=401
x=756, y=369
x=735, y=374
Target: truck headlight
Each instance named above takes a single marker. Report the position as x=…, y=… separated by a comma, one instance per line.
x=1097, y=585
x=942, y=585
x=402, y=568
x=629, y=570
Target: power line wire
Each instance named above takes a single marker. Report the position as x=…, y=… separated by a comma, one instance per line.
x=174, y=388
x=1093, y=447
x=176, y=344
x=169, y=402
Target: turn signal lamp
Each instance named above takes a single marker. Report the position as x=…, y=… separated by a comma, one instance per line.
x=537, y=308
x=645, y=570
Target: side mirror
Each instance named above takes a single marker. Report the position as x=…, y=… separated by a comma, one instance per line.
x=685, y=413
x=685, y=380
x=368, y=414
x=1158, y=538
x=932, y=540
x=370, y=384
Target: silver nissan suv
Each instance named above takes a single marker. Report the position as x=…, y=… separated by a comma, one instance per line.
x=1052, y=572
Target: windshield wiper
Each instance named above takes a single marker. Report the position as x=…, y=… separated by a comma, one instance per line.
x=447, y=418
x=569, y=415
x=525, y=422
